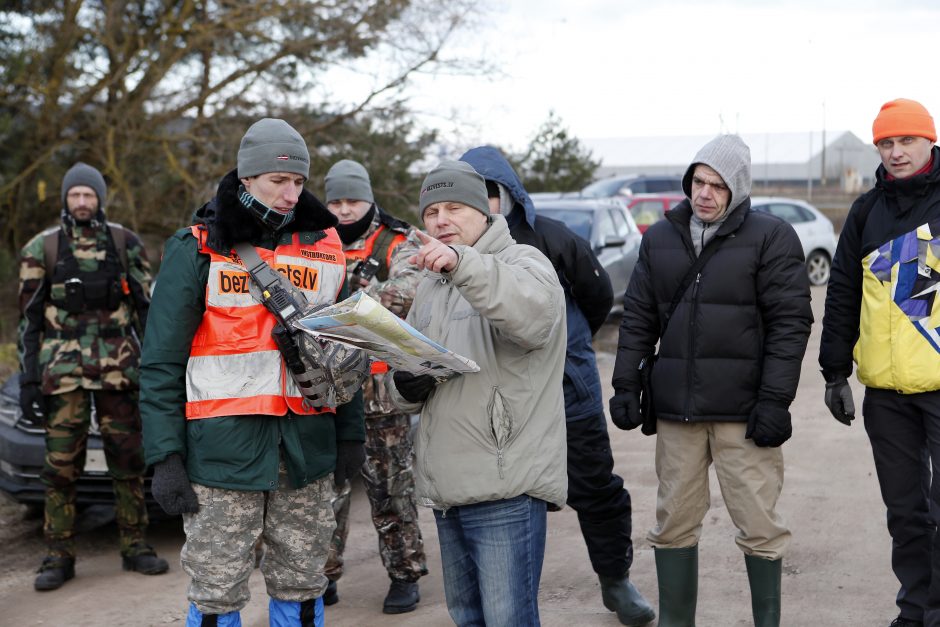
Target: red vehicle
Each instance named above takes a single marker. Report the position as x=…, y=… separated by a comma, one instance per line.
x=650, y=208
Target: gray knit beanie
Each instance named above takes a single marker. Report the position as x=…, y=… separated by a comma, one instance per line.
x=454, y=181
x=272, y=145
x=730, y=157
x=348, y=179
x=84, y=174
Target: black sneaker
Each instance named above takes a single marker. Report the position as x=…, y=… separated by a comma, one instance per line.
x=331, y=596
x=402, y=597
x=54, y=572
x=900, y=621
x=143, y=559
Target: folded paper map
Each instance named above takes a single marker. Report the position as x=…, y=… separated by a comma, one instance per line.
x=362, y=322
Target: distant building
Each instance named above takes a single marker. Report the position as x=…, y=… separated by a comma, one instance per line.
x=778, y=159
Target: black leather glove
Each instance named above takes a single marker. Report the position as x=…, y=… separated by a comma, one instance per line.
x=769, y=424
x=171, y=487
x=625, y=410
x=33, y=402
x=350, y=455
x=414, y=388
x=839, y=400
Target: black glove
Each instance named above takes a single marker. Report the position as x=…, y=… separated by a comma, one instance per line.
x=625, y=410
x=350, y=455
x=171, y=487
x=769, y=424
x=33, y=402
x=839, y=400
x=414, y=388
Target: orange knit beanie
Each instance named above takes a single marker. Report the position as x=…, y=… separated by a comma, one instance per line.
x=903, y=117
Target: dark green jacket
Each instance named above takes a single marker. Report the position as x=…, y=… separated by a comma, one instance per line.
x=237, y=452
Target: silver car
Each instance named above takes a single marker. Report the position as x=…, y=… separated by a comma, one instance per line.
x=813, y=228
x=607, y=226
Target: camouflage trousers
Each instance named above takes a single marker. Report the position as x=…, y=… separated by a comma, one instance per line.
x=390, y=485
x=219, y=552
x=66, y=444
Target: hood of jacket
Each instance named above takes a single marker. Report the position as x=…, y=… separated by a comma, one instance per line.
x=229, y=222
x=490, y=163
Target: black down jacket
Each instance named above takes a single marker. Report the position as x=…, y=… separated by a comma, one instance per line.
x=739, y=333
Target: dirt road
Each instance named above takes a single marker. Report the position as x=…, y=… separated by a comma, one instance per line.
x=837, y=573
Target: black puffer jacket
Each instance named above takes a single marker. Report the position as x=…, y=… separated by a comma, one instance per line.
x=739, y=333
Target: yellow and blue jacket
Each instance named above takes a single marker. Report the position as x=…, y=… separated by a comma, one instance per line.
x=881, y=306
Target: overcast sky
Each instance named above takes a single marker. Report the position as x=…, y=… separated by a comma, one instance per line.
x=612, y=68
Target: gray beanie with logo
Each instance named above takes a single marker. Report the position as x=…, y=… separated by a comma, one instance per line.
x=730, y=157
x=272, y=145
x=84, y=174
x=454, y=181
x=348, y=179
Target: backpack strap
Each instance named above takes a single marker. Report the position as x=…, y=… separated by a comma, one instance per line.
x=50, y=249
x=119, y=239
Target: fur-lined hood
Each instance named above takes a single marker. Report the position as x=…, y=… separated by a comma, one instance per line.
x=229, y=222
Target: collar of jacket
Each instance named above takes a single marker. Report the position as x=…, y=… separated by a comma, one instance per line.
x=680, y=215
x=228, y=221
x=908, y=190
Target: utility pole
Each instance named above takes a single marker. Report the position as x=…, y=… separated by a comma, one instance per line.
x=822, y=174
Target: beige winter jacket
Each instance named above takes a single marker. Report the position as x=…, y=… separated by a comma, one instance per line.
x=500, y=432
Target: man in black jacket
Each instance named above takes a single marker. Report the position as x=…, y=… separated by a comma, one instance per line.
x=879, y=307
x=594, y=491
x=727, y=371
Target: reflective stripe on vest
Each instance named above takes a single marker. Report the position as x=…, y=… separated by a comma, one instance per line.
x=234, y=366
x=354, y=255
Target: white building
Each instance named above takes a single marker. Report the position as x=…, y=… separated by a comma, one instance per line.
x=777, y=159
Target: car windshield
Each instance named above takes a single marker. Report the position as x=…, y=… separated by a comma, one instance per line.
x=577, y=221
x=603, y=188
x=647, y=212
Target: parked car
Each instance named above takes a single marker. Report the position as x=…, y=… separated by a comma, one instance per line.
x=631, y=184
x=813, y=228
x=607, y=226
x=23, y=451
x=648, y=209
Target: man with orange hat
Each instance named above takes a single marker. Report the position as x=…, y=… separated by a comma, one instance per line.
x=880, y=310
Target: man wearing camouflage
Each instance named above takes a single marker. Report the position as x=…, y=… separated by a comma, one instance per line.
x=376, y=244
x=84, y=296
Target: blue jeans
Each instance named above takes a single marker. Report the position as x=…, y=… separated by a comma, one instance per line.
x=491, y=555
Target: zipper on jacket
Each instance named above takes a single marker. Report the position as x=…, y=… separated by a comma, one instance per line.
x=690, y=368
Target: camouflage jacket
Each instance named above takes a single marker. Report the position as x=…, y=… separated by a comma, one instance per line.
x=96, y=349
x=396, y=293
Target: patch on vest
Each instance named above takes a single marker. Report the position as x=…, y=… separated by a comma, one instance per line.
x=300, y=277
x=316, y=254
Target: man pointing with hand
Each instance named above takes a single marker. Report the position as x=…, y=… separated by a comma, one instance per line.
x=490, y=448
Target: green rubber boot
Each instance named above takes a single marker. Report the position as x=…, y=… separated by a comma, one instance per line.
x=764, y=576
x=677, y=573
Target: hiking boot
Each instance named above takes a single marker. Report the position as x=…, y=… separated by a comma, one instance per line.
x=144, y=560
x=54, y=572
x=402, y=597
x=621, y=596
x=331, y=596
x=900, y=621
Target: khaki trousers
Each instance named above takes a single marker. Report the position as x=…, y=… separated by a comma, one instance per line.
x=750, y=477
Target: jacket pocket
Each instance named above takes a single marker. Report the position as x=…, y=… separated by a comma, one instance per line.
x=501, y=424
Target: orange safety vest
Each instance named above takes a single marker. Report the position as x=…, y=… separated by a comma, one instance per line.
x=358, y=254
x=234, y=366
